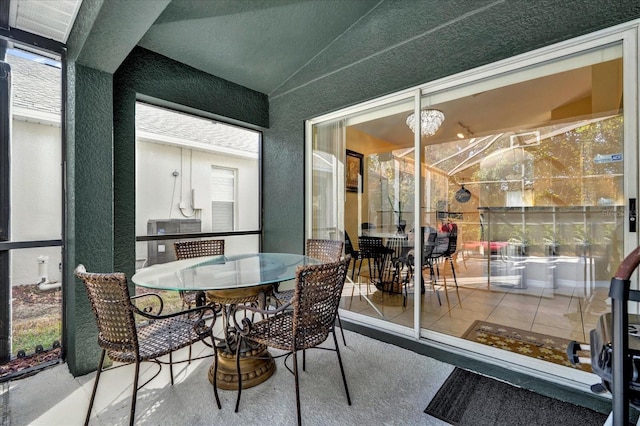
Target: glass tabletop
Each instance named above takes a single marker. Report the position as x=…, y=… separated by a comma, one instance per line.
x=222, y=272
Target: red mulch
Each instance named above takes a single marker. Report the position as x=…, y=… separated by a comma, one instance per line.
x=21, y=366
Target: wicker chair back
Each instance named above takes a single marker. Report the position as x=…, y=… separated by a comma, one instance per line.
x=315, y=302
x=110, y=301
x=198, y=248
x=326, y=251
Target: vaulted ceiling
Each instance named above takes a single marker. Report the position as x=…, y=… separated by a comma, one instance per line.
x=275, y=46
x=258, y=44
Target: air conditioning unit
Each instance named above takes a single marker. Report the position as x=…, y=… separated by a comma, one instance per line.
x=162, y=251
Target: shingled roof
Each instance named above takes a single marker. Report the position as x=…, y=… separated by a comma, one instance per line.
x=36, y=87
x=177, y=125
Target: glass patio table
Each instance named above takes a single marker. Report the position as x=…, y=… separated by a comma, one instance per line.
x=230, y=281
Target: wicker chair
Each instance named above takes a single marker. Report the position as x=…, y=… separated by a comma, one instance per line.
x=307, y=325
x=326, y=251
x=196, y=248
x=128, y=342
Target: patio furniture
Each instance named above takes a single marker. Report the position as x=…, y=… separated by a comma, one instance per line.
x=152, y=337
x=196, y=248
x=315, y=305
x=233, y=282
x=351, y=251
x=326, y=251
x=373, y=250
x=445, y=248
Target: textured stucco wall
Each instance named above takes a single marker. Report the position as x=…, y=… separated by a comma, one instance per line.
x=147, y=75
x=399, y=45
x=89, y=215
x=100, y=224
x=407, y=43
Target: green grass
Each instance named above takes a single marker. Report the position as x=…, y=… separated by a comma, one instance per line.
x=171, y=300
x=28, y=334
x=47, y=327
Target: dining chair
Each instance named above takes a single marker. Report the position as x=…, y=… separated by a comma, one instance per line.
x=445, y=249
x=375, y=252
x=398, y=270
x=317, y=294
x=397, y=247
x=350, y=250
x=151, y=337
x=428, y=247
x=196, y=248
x=326, y=251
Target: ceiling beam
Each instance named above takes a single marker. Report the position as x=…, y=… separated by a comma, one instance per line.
x=105, y=32
x=29, y=39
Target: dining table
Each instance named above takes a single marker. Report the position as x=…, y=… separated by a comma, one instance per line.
x=230, y=282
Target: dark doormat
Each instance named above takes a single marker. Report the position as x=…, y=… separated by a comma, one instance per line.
x=467, y=398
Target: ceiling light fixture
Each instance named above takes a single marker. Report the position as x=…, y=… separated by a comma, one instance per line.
x=463, y=131
x=430, y=121
x=463, y=194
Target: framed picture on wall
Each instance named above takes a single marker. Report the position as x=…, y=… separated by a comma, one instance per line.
x=354, y=171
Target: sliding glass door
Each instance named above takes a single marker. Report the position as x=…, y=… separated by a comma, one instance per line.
x=540, y=162
x=520, y=196
x=362, y=172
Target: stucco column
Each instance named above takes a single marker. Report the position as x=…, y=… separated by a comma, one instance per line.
x=89, y=216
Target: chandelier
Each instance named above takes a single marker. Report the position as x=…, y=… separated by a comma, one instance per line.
x=430, y=121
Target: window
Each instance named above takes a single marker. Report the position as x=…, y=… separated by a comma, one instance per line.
x=195, y=178
x=223, y=190
x=31, y=215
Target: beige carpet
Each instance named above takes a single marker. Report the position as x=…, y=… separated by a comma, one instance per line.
x=388, y=386
x=541, y=346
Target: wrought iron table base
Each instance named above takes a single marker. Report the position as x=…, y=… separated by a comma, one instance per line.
x=257, y=364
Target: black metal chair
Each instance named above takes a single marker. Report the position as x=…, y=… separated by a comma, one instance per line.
x=373, y=250
x=396, y=269
x=315, y=306
x=445, y=249
x=351, y=251
x=428, y=246
x=154, y=336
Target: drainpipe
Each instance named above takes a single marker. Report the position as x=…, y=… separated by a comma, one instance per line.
x=44, y=283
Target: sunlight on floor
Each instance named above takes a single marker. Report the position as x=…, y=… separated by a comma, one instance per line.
x=564, y=311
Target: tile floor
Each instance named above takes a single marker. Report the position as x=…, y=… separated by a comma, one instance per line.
x=569, y=312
